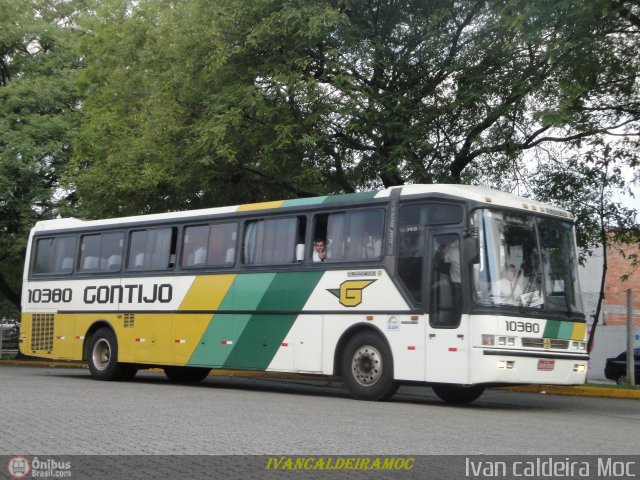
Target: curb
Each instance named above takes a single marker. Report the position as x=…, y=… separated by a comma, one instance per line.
x=580, y=390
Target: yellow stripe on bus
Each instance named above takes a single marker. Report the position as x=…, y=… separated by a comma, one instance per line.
x=206, y=292
x=260, y=206
x=579, y=331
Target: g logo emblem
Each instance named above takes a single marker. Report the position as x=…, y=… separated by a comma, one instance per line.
x=350, y=292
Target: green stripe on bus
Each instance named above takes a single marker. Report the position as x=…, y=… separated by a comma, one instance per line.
x=565, y=330
x=350, y=197
x=345, y=197
x=263, y=334
x=551, y=329
x=221, y=336
x=302, y=202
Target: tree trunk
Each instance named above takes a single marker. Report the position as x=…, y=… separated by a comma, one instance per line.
x=603, y=239
x=600, y=299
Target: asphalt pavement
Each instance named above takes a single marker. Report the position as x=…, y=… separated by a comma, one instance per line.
x=596, y=390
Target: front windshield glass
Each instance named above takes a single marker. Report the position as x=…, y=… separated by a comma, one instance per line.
x=525, y=261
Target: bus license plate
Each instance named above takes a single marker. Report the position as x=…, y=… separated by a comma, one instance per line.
x=546, y=365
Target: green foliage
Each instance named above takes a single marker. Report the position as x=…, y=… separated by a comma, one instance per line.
x=589, y=186
x=38, y=108
x=198, y=103
x=155, y=105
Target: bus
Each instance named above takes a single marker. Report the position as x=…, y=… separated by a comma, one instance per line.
x=454, y=287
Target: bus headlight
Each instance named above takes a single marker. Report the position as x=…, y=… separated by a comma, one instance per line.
x=580, y=368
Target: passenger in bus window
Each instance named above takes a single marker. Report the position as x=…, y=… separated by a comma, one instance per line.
x=372, y=246
x=319, y=251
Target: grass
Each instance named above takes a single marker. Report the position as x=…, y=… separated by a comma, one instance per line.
x=613, y=385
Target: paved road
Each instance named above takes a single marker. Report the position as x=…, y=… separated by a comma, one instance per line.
x=56, y=411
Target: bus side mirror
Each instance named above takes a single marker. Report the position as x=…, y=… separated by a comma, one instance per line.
x=472, y=249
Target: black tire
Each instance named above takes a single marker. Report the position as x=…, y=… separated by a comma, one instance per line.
x=103, y=356
x=367, y=367
x=129, y=371
x=623, y=379
x=458, y=394
x=186, y=374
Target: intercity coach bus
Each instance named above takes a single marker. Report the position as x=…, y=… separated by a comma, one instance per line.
x=456, y=287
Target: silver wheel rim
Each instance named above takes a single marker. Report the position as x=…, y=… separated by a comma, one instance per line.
x=366, y=365
x=101, y=354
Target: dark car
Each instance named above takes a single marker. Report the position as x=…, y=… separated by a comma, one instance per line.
x=616, y=367
x=10, y=331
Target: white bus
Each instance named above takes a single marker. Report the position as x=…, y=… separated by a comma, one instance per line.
x=455, y=287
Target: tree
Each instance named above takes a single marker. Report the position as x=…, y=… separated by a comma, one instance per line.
x=172, y=105
x=270, y=98
x=38, y=109
x=587, y=185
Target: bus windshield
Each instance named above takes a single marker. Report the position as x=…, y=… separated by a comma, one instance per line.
x=525, y=261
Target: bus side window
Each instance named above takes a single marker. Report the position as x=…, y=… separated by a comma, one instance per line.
x=351, y=236
x=90, y=252
x=54, y=255
x=410, y=259
x=101, y=252
x=111, y=251
x=272, y=241
x=152, y=249
x=222, y=244
x=194, y=241
x=414, y=219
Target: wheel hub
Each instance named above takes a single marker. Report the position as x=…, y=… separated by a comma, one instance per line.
x=367, y=365
x=101, y=354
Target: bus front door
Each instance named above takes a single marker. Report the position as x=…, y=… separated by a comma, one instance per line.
x=446, y=343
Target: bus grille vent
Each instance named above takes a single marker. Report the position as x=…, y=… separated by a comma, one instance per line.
x=545, y=343
x=42, y=331
x=129, y=320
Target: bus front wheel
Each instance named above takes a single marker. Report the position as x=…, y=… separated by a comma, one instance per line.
x=457, y=393
x=367, y=367
x=103, y=356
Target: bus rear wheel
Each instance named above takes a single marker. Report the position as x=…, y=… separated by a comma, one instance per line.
x=457, y=393
x=129, y=371
x=367, y=367
x=103, y=356
x=186, y=374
